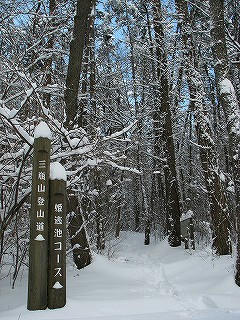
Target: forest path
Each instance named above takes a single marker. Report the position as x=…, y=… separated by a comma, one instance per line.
x=159, y=278
x=153, y=282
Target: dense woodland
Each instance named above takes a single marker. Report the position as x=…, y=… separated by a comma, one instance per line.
x=142, y=98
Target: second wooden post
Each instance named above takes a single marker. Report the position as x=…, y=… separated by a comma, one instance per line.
x=57, y=237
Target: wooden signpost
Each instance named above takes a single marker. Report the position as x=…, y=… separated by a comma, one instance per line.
x=57, y=237
x=47, y=249
x=38, y=251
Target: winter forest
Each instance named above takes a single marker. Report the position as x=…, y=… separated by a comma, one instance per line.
x=142, y=99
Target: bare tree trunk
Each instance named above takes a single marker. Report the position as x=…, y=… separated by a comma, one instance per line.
x=100, y=233
x=87, y=66
x=208, y=156
x=48, y=65
x=228, y=99
x=171, y=182
x=158, y=199
x=119, y=209
x=78, y=236
x=226, y=92
x=100, y=205
x=118, y=222
x=92, y=77
x=75, y=60
x=77, y=232
x=139, y=200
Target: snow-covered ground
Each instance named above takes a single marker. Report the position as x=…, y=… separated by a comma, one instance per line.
x=142, y=283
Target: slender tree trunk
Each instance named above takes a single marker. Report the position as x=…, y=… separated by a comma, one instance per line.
x=77, y=232
x=119, y=208
x=48, y=65
x=140, y=210
x=118, y=222
x=87, y=66
x=92, y=77
x=100, y=233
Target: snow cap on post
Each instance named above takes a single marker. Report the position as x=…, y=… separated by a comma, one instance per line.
x=42, y=131
x=57, y=172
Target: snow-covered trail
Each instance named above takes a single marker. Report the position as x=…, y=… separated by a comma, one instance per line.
x=143, y=283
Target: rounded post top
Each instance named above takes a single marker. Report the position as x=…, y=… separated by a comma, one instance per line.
x=42, y=131
x=57, y=172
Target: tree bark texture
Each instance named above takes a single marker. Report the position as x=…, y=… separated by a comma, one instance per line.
x=48, y=64
x=172, y=192
x=208, y=156
x=77, y=232
x=75, y=59
x=78, y=236
x=226, y=92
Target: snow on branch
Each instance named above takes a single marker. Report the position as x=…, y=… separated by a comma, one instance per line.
x=228, y=95
x=123, y=168
x=119, y=133
x=76, y=152
x=226, y=87
x=6, y=114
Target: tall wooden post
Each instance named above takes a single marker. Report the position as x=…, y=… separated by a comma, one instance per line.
x=57, y=237
x=38, y=251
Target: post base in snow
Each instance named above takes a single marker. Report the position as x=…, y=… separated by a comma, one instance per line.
x=58, y=300
x=35, y=308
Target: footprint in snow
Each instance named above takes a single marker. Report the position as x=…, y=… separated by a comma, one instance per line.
x=208, y=302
